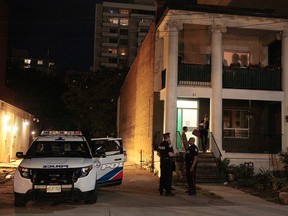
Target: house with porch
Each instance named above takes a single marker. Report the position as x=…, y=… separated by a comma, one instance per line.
x=229, y=63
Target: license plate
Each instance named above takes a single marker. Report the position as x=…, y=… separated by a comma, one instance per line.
x=53, y=188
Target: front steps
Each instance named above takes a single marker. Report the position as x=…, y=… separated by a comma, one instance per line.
x=207, y=169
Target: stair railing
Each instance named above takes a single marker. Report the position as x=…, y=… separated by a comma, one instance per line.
x=215, y=148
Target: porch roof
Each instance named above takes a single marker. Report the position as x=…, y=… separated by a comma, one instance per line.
x=223, y=16
x=267, y=13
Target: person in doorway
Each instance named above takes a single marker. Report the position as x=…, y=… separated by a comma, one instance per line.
x=191, y=158
x=204, y=128
x=185, y=142
x=165, y=152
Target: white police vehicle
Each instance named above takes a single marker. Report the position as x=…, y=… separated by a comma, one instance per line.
x=110, y=156
x=58, y=166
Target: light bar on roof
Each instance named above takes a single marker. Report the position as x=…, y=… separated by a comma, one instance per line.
x=61, y=133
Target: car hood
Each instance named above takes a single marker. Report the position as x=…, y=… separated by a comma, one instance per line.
x=56, y=163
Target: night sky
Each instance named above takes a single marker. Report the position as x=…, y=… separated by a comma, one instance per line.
x=64, y=27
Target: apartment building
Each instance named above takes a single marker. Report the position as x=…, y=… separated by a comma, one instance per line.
x=227, y=62
x=20, y=59
x=120, y=29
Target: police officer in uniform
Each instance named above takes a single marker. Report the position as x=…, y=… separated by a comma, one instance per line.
x=191, y=158
x=165, y=152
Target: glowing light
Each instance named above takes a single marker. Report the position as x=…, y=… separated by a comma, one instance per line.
x=6, y=126
x=15, y=129
x=25, y=123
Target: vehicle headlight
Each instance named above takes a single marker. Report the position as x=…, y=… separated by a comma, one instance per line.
x=84, y=171
x=25, y=172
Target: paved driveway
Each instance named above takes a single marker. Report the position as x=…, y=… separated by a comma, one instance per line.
x=138, y=195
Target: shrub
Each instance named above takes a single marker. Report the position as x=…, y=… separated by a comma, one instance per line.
x=223, y=167
x=284, y=159
x=263, y=179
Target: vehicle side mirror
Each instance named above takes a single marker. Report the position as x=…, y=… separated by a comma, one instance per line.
x=20, y=155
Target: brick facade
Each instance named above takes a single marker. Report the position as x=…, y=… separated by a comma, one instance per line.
x=136, y=104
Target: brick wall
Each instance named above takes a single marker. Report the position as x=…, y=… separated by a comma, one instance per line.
x=136, y=103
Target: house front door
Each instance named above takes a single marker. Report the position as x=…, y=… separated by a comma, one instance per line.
x=187, y=115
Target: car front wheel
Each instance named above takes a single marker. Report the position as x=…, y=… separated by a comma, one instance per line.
x=91, y=197
x=19, y=200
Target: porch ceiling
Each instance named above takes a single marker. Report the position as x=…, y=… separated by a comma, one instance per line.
x=180, y=17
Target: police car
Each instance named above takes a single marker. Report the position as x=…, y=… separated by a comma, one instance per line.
x=58, y=166
x=110, y=156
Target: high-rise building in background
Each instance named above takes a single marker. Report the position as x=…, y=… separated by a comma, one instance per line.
x=120, y=29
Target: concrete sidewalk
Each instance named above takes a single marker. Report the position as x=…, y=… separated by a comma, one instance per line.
x=231, y=201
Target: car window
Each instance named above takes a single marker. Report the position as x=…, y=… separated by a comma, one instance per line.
x=100, y=146
x=58, y=149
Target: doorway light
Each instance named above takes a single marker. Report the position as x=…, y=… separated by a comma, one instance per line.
x=187, y=104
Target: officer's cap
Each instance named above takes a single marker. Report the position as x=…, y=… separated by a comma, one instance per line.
x=165, y=135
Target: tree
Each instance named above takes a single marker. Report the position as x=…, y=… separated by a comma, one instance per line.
x=92, y=98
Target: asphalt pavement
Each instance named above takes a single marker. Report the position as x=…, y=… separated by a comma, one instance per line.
x=138, y=195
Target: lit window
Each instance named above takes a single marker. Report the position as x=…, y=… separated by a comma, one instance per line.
x=51, y=64
x=114, y=20
x=236, y=58
x=235, y=123
x=123, y=52
x=122, y=11
x=40, y=62
x=124, y=22
x=27, y=61
x=113, y=11
x=114, y=51
x=145, y=21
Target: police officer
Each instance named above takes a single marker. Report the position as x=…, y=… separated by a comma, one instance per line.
x=165, y=152
x=191, y=158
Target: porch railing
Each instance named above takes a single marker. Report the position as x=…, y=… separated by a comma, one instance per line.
x=238, y=78
x=255, y=143
x=194, y=74
x=247, y=78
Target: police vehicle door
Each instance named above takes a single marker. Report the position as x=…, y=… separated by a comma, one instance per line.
x=109, y=157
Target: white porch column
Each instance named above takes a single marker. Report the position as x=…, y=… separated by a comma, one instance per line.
x=216, y=83
x=171, y=65
x=284, y=62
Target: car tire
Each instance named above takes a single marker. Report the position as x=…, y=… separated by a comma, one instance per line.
x=19, y=200
x=91, y=197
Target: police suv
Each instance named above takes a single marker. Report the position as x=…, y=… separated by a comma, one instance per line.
x=57, y=166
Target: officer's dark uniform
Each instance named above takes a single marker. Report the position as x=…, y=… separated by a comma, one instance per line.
x=166, y=166
x=191, y=152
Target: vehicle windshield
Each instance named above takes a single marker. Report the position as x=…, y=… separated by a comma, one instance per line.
x=58, y=149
